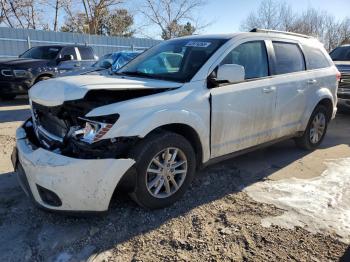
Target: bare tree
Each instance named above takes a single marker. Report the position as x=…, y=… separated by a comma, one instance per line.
x=280, y=16
x=172, y=16
x=96, y=11
x=98, y=17
x=21, y=13
x=57, y=6
x=270, y=15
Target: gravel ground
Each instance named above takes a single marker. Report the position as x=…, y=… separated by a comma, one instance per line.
x=215, y=221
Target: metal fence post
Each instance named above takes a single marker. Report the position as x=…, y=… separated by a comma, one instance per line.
x=132, y=47
x=28, y=42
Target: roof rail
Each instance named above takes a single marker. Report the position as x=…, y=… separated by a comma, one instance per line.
x=258, y=30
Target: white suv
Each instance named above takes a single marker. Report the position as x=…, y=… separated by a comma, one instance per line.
x=179, y=106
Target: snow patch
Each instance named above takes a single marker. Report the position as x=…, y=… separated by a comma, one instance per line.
x=320, y=205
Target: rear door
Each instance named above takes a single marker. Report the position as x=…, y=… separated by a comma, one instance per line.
x=243, y=113
x=292, y=82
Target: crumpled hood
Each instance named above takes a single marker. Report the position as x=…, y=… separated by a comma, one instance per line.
x=55, y=91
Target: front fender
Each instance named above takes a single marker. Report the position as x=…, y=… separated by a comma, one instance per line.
x=147, y=123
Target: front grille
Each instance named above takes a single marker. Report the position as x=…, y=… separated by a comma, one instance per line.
x=345, y=81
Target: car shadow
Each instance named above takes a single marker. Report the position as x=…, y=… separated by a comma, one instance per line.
x=14, y=110
x=18, y=101
x=125, y=220
x=346, y=256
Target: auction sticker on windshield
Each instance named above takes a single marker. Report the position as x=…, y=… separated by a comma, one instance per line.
x=198, y=44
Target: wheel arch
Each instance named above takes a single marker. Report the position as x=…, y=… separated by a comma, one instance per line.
x=327, y=102
x=42, y=75
x=322, y=97
x=188, y=133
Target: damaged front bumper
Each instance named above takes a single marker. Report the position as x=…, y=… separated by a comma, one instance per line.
x=64, y=183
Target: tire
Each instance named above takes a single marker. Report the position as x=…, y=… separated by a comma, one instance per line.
x=306, y=141
x=145, y=152
x=7, y=96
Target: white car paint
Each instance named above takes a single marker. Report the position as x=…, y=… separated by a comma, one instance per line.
x=80, y=183
x=75, y=87
x=242, y=115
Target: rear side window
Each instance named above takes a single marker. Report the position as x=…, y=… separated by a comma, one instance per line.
x=315, y=59
x=289, y=58
x=252, y=56
x=69, y=51
x=86, y=53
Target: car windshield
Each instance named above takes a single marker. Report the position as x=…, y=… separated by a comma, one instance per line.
x=341, y=53
x=175, y=60
x=42, y=52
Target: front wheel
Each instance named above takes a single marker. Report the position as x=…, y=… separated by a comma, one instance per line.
x=165, y=165
x=315, y=130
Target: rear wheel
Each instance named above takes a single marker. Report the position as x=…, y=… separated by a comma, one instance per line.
x=165, y=165
x=316, y=129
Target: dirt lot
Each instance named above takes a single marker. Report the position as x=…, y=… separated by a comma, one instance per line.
x=216, y=220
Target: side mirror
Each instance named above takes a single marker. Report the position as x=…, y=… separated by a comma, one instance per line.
x=231, y=73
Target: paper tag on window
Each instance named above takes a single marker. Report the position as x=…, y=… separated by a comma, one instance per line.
x=198, y=44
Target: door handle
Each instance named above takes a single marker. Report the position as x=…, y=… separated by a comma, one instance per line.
x=312, y=81
x=269, y=89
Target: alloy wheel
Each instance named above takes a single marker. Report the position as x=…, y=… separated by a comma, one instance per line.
x=166, y=172
x=317, y=128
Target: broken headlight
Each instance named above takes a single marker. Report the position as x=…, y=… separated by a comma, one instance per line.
x=94, y=128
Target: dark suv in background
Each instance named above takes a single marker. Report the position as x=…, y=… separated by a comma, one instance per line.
x=341, y=58
x=40, y=63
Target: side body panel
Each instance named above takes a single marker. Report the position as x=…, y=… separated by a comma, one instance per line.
x=242, y=116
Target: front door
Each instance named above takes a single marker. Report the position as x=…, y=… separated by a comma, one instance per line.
x=243, y=113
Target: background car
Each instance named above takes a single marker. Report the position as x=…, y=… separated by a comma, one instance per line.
x=40, y=63
x=112, y=61
x=341, y=58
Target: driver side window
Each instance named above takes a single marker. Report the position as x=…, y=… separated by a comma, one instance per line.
x=252, y=56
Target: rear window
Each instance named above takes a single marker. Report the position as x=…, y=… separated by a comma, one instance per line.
x=315, y=59
x=86, y=53
x=289, y=58
x=341, y=53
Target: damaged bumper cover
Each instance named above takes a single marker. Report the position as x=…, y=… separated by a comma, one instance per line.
x=64, y=183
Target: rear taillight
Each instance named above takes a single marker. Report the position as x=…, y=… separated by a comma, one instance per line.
x=338, y=76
